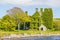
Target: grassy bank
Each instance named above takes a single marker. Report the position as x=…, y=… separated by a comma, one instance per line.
x=5, y=33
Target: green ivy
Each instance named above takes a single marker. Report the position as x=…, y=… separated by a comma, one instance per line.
x=47, y=17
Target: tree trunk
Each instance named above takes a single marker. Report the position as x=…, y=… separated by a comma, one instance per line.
x=24, y=25
x=18, y=26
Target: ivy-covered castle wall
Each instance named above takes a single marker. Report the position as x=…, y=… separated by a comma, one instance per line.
x=44, y=16
x=47, y=17
x=17, y=19
x=35, y=20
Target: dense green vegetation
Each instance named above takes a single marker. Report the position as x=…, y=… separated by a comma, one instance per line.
x=35, y=20
x=16, y=19
x=57, y=23
x=7, y=23
x=47, y=17
x=19, y=22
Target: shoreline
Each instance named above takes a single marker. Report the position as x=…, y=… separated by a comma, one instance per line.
x=28, y=35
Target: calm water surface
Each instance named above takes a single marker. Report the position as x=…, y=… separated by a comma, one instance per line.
x=36, y=38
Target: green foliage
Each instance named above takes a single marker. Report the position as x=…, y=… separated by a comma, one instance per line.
x=7, y=23
x=35, y=20
x=57, y=22
x=19, y=15
x=47, y=17
x=17, y=18
x=55, y=26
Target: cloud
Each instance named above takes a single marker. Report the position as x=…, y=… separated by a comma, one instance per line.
x=53, y=3
x=32, y=2
x=14, y=1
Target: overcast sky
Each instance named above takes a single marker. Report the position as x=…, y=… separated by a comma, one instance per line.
x=30, y=5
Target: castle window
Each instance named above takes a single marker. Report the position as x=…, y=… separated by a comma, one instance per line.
x=38, y=19
x=34, y=24
x=34, y=18
x=38, y=24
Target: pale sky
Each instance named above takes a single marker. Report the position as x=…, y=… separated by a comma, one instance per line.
x=30, y=5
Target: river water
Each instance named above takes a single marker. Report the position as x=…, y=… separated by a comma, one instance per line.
x=36, y=38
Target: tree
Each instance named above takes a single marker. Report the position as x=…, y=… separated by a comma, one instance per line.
x=7, y=23
x=19, y=15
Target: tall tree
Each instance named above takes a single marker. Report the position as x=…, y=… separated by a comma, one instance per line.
x=19, y=15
